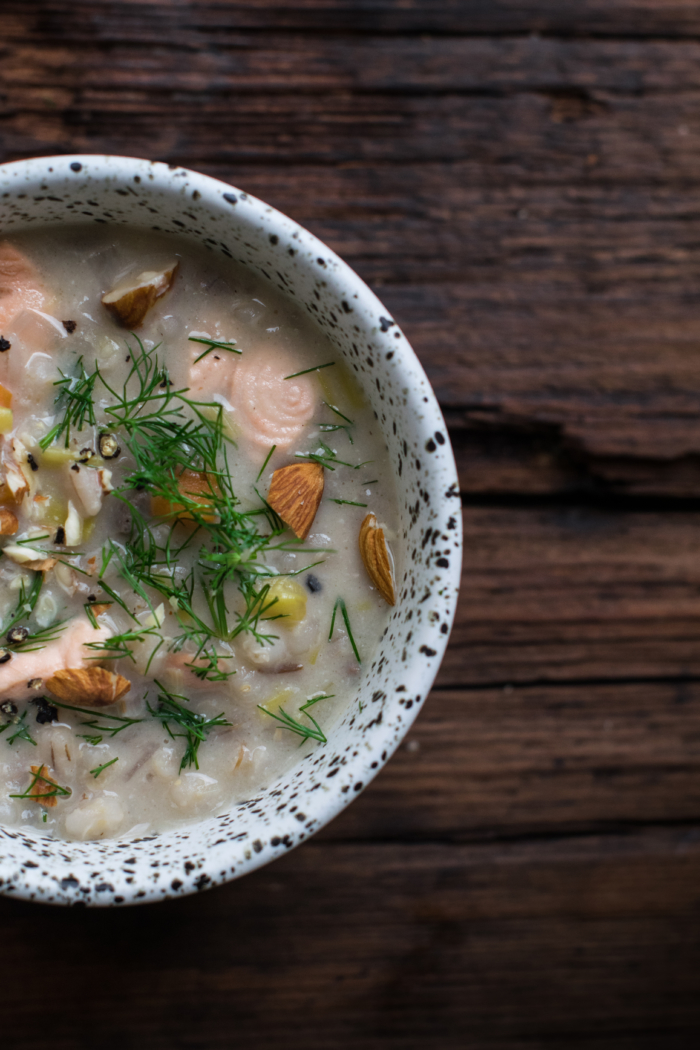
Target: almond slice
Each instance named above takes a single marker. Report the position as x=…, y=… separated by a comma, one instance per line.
x=42, y=786
x=375, y=555
x=131, y=300
x=93, y=686
x=100, y=607
x=295, y=494
x=8, y=523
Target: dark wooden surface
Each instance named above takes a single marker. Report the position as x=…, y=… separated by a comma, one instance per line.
x=520, y=181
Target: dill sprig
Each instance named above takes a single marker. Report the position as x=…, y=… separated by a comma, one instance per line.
x=348, y=502
x=268, y=457
x=100, y=769
x=38, y=639
x=75, y=398
x=305, y=371
x=195, y=727
x=214, y=344
x=122, y=723
x=340, y=604
x=26, y=601
x=54, y=789
x=21, y=730
x=328, y=458
x=306, y=732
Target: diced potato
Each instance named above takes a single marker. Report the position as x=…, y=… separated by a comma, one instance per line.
x=57, y=455
x=5, y=397
x=291, y=601
x=274, y=702
x=5, y=420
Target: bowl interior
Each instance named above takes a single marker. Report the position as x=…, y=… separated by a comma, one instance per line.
x=86, y=189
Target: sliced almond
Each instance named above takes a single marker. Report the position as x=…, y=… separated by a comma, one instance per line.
x=98, y=608
x=93, y=686
x=43, y=786
x=41, y=564
x=295, y=494
x=375, y=555
x=8, y=522
x=131, y=300
x=196, y=486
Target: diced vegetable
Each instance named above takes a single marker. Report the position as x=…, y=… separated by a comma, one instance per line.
x=5, y=420
x=291, y=601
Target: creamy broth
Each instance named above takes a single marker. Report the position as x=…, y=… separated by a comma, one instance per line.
x=160, y=592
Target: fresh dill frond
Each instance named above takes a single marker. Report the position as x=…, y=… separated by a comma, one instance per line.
x=76, y=399
x=39, y=639
x=100, y=769
x=340, y=604
x=21, y=730
x=53, y=789
x=26, y=601
x=90, y=739
x=312, y=732
x=315, y=699
x=122, y=723
x=348, y=502
x=328, y=458
x=268, y=457
x=195, y=727
x=305, y=371
x=214, y=344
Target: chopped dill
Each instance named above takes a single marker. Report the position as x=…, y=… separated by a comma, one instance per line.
x=75, y=397
x=340, y=604
x=93, y=722
x=267, y=460
x=26, y=601
x=214, y=344
x=305, y=371
x=100, y=769
x=21, y=730
x=195, y=727
x=328, y=458
x=315, y=699
x=312, y=732
x=348, y=502
x=33, y=642
x=54, y=789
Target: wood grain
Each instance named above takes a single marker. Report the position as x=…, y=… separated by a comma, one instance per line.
x=580, y=942
x=519, y=181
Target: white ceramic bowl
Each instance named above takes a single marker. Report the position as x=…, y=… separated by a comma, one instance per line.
x=119, y=190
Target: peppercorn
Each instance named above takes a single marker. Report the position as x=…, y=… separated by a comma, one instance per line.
x=109, y=449
x=17, y=635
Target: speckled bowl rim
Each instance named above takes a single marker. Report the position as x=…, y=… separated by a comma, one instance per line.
x=218, y=849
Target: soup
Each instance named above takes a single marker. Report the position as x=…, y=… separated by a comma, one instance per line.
x=197, y=516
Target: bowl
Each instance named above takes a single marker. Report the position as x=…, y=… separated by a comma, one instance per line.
x=124, y=190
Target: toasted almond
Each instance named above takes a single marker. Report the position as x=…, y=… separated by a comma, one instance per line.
x=93, y=686
x=8, y=522
x=295, y=494
x=43, y=786
x=131, y=300
x=375, y=555
x=98, y=608
x=41, y=564
x=194, y=485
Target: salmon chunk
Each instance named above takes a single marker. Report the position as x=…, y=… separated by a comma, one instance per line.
x=20, y=285
x=68, y=651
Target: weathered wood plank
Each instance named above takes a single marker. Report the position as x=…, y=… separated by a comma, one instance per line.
x=270, y=62
x=519, y=761
x=584, y=943
x=575, y=593
x=147, y=20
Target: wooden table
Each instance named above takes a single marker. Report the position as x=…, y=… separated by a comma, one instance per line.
x=520, y=181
